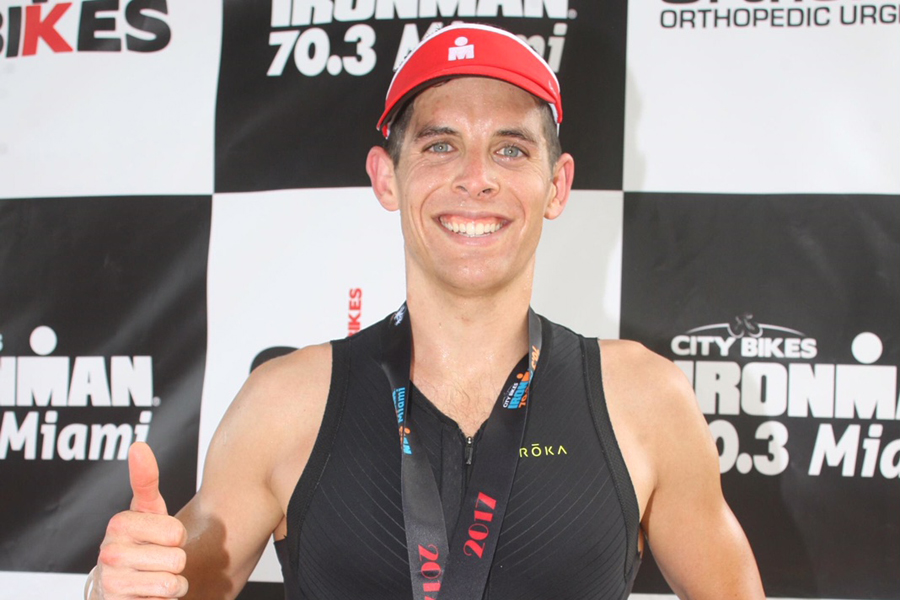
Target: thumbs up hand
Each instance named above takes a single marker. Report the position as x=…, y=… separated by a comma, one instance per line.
x=143, y=472
x=142, y=555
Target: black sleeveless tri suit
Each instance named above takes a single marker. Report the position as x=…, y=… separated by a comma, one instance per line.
x=571, y=526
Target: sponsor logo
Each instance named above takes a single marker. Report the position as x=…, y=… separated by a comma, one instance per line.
x=538, y=450
x=713, y=14
x=745, y=337
x=517, y=394
x=462, y=51
x=94, y=26
x=749, y=369
x=355, y=311
x=399, y=396
x=36, y=390
x=319, y=12
x=298, y=31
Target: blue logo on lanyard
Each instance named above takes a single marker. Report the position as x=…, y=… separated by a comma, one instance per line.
x=400, y=404
x=399, y=396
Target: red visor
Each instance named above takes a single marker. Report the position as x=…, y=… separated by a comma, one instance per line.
x=466, y=49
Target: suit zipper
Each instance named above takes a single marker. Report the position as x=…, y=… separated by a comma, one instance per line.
x=470, y=452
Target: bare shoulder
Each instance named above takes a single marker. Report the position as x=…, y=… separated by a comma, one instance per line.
x=294, y=384
x=673, y=463
x=640, y=382
x=275, y=417
x=658, y=424
x=254, y=461
x=267, y=435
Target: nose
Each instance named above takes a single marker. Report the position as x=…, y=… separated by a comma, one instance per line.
x=476, y=176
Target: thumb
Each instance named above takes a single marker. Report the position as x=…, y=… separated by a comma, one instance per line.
x=144, y=475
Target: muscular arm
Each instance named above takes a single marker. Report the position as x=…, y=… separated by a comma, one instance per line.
x=696, y=540
x=254, y=461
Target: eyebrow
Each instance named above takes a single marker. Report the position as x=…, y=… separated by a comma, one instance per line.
x=431, y=131
x=521, y=134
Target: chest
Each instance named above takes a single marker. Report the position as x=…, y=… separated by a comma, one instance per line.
x=465, y=406
x=564, y=530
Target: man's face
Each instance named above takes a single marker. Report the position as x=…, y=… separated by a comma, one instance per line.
x=473, y=184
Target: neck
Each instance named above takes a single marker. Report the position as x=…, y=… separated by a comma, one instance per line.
x=464, y=347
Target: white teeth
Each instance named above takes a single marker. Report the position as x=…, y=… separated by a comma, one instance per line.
x=471, y=229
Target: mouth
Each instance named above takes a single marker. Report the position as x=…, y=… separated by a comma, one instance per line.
x=472, y=228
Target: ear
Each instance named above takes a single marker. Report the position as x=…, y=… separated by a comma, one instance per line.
x=380, y=168
x=563, y=174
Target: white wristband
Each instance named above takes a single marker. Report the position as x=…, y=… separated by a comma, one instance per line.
x=89, y=584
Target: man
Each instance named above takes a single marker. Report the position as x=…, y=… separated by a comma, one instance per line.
x=546, y=490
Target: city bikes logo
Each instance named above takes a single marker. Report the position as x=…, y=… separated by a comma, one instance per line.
x=517, y=394
x=299, y=37
x=744, y=14
x=723, y=363
x=37, y=391
x=96, y=26
x=754, y=340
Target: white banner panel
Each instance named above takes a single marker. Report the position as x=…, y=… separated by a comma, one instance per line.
x=127, y=98
x=761, y=190
x=751, y=97
x=579, y=265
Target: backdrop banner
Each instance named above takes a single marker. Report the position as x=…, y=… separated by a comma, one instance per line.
x=302, y=84
x=103, y=321
x=183, y=196
x=785, y=319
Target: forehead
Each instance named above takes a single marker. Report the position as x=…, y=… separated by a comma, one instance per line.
x=477, y=99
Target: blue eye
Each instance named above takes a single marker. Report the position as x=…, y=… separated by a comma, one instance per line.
x=511, y=152
x=441, y=147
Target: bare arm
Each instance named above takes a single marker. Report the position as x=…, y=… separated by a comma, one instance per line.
x=696, y=540
x=254, y=461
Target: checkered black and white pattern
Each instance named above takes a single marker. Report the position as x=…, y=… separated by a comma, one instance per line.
x=182, y=194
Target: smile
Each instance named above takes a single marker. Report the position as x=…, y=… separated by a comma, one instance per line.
x=470, y=228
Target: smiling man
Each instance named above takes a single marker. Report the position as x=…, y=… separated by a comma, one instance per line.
x=464, y=447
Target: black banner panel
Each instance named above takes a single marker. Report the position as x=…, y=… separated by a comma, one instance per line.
x=782, y=310
x=302, y=84
x=102, y=342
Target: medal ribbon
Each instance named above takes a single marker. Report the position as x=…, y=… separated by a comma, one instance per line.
x=458, y=569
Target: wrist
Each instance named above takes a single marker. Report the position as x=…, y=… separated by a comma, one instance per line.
x=89, y=585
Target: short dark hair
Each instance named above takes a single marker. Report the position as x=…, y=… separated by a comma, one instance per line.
x=398, y=126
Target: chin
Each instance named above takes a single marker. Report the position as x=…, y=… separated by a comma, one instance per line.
x=481, y=283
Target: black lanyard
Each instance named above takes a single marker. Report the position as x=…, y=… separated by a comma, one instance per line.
x=458, y=569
